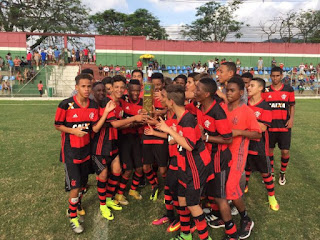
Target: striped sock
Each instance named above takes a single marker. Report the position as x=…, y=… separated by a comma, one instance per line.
x=73, y=205
x=136, y=180
x=230, y=228
x=122, y=184
x=271, y=162
x=201, y=225
x=112, y=184
x=101, y=187
x=284, y=163
x=248, y=173
x=150, y=177
x=184, y=213
x=268, y=181
x=168, y=202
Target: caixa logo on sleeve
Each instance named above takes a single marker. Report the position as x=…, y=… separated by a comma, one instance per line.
x=82, y=125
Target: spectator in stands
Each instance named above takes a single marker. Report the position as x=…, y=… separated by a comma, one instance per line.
x=211, y=66
x=223, y=60
x=56, y=55
x=260, y=64
x=139, y=64
x=149, y=73
x=8, y=56
x=306, y=67
x=111, y=70
x=238, y=63
x=128, y=76
x=311, y=67
x=10, y=65
x=180, y=80
x=85, y=54
x=94, y=55
x=273, y=63
x=301, y=68
x=156, y=65
x=199, y=63
x=281, y=65
x=216, y=64
x=78, y=55
x=106, y=71
x=29, y=59
x=301, y=87
x=16, y=63
x=123, y=71
x=6, y=86
x=1, y=63
x=19, y=77
x=90, y=56
x=43, y=57
x=193, y=66
x=37, y=57
x=117, y=70
x=312, y=78
x=40, y=88
x=151, y=63
x=100, y=70
x=69, y=56
x=73, y=55
x=31, y=75
x=318, y=68
x=251, y=71
x=50, y=53
x=205, y=67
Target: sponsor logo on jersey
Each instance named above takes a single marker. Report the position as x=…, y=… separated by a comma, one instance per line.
x=82, y=125
x=127, y=108
x=277, y=105
x=71, y=106
x=207, y=123
x=269, y=96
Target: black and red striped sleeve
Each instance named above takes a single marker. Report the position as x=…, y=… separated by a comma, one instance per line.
x=266, y=115
x=111, y=116
x=252, y=122
x=191, y=107
x=223, y=125
x=191, y=131
x=292, y=100
x=60, y=117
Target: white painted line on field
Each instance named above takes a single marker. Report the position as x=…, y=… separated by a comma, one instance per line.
x=100, y=227
x=32, y=98
x=26, y=104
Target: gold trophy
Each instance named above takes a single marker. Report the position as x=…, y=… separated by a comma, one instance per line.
x=148, y=97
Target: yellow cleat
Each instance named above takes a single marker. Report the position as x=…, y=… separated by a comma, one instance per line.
x=246, y=190
x=121, y=199
x=135, y=194
x=273, y=203
x=106, y=213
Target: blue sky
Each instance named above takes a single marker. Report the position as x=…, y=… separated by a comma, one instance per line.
x=174, y=13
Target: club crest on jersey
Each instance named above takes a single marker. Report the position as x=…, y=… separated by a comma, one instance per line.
x=71, y=106
x=207, y=123
x=91, y=115
x=73, y=183
x=283, y=96
x=181, y=133
x=257, y=113
x=235, y=121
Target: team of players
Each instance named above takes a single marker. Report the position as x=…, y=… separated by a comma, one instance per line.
x=199, y=145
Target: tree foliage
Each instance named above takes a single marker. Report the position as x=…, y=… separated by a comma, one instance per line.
x=59, y=16
x=214, y=22
x=139, y=23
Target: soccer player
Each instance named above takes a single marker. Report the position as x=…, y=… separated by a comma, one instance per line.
x=193, y=163
x=246, y=77
x=180, y=80
x=225, y=72
x=258, y=157
x=281, y=100
x=130, y=143
x=138, y=74
x=244, y=127
x=155, y=149
x=107, y=81
x=76, y=118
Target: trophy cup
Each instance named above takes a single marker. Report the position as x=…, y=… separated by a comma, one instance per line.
x=148, y=97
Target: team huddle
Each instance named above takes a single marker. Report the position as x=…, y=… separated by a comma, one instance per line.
x=199, y=138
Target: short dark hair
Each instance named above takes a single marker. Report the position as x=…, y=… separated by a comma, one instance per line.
x=209, y=85
x=87, y=70
x=119, y=78
x=237, y=80
x=176, y=93
x=138, y=71
x=261, y=82
x=134, y=82
x=276, y=69
x=83, y=76
x=167, y=81
x=184, y=77
x=193, y=74
x=247, y=75
x=96, y=84
x=107, y=80
x=231, y=66
x=157, y=76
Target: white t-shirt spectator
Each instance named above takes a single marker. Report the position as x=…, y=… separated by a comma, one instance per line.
x=301, y=67
x=211, y=64
x=106, y=69
x=150, y=72
x=260, y=63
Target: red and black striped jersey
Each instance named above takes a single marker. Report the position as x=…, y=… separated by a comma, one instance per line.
x=280, y=102
x=192, y=107
x=189, y=129
x=131, y=109
x=72, y=115
x=263, y=113
x=105, y=141
x=157, y=104
x=215, y=123
x=173, y=151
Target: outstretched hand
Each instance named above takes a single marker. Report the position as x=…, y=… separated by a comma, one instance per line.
x=162, y=126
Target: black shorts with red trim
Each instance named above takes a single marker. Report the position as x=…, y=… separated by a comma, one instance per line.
x=258, y=163
x=155, y=153
x=99, y=163
x=172, y=182
x=130, y=151
x=282, y=138
x=217, y=187
x=76, y=175
x=192, y=195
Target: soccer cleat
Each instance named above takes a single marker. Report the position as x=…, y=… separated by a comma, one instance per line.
x=273, y=203
x=142, y=182
x=229, y=237
x=246, y=189
x=106, y=213
x=154, y=195
x=81, y=218
x=282, y=178
x=75, y=225
x=159, y=221
x=234, y=211
x=245, y=228
x=218, y=223
x=135, y=194
x=182, y=236
x=174, y=226
x=210, y=216
x=113, y=205
x=80, y=210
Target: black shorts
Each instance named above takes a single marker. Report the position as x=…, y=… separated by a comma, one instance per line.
x=76, y=175
x=99, y=163
x=217, y=187
x=155, y=153
x=41, y=92
x=282, y=138
x=193, y=196
x=258, y=163
x=172, y=183
x=130, y=151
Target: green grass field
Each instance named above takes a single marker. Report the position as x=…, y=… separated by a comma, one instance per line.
x=33, y=201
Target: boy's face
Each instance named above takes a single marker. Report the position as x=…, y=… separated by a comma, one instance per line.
x=246, y=82
x=157, y=84
x=224, y=74
x=199, y=93
x=181, y=82
x=233, y=92
x=134, y=91
x=99, y=92
x=190, y=86
x=108, y=87
x=164, y=98
x=118, y=89
x=84, y=87
x=276, y=77
x=138, y=76
x=254, y=88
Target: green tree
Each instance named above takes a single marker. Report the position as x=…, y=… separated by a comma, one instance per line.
x=214, y=22
x=308, y=24
x=139, y=23
x=58, y=16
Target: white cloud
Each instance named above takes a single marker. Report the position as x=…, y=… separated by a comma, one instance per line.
x=175, y=6
x=100, y=6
